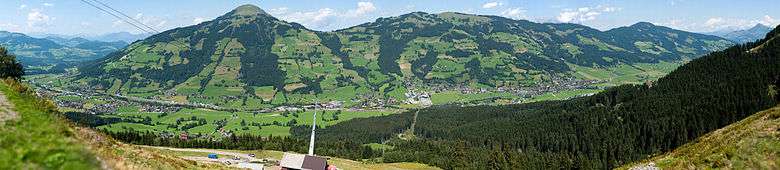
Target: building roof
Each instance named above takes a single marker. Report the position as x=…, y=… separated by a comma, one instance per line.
x=300, y=161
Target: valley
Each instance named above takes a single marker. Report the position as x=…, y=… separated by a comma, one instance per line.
x=231, y=85
x=352, y=72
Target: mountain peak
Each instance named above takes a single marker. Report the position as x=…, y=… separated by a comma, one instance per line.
x=643, y=24
x=247, y=10
x=760, y=26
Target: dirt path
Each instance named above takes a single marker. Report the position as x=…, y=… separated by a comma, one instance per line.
x=6, y=109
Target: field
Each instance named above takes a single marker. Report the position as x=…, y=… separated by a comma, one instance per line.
x=202, y=121
x=626, y=74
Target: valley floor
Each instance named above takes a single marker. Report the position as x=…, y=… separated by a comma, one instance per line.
x=753, y=143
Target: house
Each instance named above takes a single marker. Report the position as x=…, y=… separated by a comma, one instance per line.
x=184, y=136
x=292, y=161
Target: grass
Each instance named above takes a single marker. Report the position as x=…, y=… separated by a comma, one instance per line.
x=752, y=143
x=39, y=139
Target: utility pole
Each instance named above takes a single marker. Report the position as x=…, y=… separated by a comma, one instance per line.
x=313, y=128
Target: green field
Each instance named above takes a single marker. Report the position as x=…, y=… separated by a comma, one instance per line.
x=275, y=123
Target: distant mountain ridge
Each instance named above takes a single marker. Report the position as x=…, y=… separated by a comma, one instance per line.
x=124, y=36
x=251, y=55
x=120, y=36
x=748, y=35
x=55, y=51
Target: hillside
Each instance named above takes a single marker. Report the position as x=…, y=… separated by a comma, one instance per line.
x=52, y=54
x=248, y=54
x=605, y=130
x=752, y=143
x=34, y=136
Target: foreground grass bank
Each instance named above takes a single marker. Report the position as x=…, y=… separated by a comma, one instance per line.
x=753, y=143
x=39, y=138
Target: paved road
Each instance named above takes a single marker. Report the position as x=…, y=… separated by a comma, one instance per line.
x=6, y=109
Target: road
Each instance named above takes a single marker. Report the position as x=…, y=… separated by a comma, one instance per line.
x=245, y=161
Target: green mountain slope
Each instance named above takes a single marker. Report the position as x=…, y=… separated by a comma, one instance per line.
x=252, y=56
x=752, y=143
x=54, y=54
x=614, y=127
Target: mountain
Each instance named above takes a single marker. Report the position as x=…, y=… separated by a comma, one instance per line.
x=617, y=126
x=751, y=143
x=749, y=35
x=120, y=36
x=40, y=54
x=250, y=55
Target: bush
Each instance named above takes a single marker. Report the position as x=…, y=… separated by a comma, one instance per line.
x=9, y=67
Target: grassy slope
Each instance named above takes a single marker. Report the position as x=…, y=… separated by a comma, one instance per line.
x=42, y=140
x=338, y=162
x=753, y=143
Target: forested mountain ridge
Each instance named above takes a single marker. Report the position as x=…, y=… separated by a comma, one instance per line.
x=249, y=55
x=54, y=52
x=614, y=127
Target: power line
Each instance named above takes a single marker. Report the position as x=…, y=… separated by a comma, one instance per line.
x=118, y=17
x=125, y=15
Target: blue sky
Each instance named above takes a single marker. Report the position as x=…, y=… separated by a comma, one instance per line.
x=75, y=17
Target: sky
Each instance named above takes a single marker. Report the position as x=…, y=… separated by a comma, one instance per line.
x=75, y=17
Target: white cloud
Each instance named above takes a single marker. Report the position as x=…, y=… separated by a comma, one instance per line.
x=515, y=13
x=720, y=23
x=491, y=5
x=609, y=9
x=48, y=4
x=325, y=18
x=584, y=13
x=714, y=22
x=21, y=7
x=198, y=20
x=567, y=16
x=10, y=27
x=364, y=8
x=151, y=21
x=768, y=20
x=37, y=20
